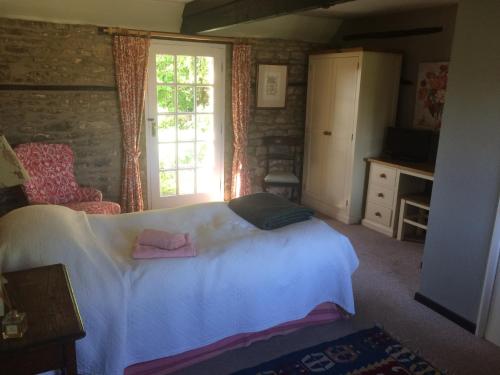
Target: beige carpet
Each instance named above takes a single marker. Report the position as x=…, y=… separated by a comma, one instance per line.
x=384, y=286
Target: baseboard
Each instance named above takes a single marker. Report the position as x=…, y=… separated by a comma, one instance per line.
x=377, y=227
x=454, y=317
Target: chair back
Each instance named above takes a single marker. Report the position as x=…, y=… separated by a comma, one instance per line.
x=282, y=148
x=50, y=167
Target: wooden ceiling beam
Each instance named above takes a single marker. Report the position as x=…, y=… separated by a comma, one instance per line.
x=205, y=15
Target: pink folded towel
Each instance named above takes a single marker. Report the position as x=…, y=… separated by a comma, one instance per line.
x=162, y=240
x=150, y=252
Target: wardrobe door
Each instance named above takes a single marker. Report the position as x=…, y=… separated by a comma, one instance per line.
x=317, y=122
x=341, y=126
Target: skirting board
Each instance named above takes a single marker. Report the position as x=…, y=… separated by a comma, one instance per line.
x=379, y=228
x=454, y=317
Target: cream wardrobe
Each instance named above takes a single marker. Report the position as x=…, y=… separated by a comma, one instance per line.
x=352, y=98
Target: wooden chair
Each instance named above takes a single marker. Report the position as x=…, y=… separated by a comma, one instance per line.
x=285, y=173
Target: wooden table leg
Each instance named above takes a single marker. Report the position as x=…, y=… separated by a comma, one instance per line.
x=69, y=353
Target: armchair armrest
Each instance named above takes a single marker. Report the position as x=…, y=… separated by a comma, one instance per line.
x=88, y=194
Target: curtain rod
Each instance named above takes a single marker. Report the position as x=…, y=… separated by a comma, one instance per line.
x=168, y=35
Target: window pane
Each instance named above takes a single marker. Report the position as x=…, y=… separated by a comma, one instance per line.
x=166, y=129
x=166, y=155
x=204, y=180
x=186, y=181
x=204, y=99
x=205, y=127
x=165, y=68
x=205, y=70
x=166, y=98
x=186, y=127
x=185, y=69
x=167, y=183
x=185, y=99
x=204, y=154
x=186, y=155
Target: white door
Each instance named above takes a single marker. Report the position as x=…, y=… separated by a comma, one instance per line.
x=493, y=326
x=331, y=116
x=185, y=114
x=342, y=122
x=489, y=314
x=318, y=117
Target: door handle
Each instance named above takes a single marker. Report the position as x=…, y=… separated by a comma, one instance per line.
x=326, y=132
x=153, y=127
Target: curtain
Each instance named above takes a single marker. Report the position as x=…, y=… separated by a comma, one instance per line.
x=131, y=57
x=240, y=183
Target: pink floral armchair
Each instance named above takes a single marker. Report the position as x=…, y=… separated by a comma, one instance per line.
x=52, y=180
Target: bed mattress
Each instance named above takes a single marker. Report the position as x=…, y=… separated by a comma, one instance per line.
x=243, y=279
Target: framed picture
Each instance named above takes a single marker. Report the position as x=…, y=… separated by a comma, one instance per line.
x=431, y=92
x=271, y=86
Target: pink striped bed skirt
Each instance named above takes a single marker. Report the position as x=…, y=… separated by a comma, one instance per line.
x=324, y=313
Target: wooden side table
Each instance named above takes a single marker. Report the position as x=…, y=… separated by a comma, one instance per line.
x=54, y=322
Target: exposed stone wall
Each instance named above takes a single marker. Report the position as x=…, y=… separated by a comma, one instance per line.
x=289, y=121
x=40, y=53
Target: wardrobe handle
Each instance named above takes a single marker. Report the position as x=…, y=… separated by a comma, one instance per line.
x=378, y=214
x=383, y=175
x=326, y=132
x=380, y=195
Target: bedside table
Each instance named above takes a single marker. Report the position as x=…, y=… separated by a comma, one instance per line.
x=54, y=322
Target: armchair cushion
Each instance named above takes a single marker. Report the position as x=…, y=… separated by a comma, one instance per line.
x=50, y=167
x=107, y=208
x=87, y=194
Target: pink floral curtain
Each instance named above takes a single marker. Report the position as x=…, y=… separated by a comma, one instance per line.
x=131, y=57
x=240, y=183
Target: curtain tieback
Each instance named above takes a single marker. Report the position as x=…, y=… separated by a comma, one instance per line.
x=132, y=155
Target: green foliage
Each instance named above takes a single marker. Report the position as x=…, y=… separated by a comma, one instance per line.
x=165, y=95
x=186, y=65
x=178, y=78
x=167, y=184
x=165, y=68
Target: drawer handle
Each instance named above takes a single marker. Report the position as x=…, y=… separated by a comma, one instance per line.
x=380, y=195
x=378, y=214
x=326, y=132
x=383, y=175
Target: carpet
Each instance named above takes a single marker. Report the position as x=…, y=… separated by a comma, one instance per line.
x=367, y=352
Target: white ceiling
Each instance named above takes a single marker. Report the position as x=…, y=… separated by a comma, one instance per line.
x=363, y=8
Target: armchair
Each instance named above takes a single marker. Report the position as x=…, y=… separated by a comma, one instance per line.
x=52, y=180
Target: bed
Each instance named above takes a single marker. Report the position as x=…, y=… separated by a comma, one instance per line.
x=243, y=280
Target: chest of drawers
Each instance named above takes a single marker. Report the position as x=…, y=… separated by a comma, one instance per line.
x=379, y=211
x=387, y=183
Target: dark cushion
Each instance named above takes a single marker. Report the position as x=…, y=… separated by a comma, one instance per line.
x=269, y=211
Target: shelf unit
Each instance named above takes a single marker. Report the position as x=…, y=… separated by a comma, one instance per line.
x=413, y=214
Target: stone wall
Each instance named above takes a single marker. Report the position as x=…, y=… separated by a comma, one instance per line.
x=40, y=53
x=289, y=121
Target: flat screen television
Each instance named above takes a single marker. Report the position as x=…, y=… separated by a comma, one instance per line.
x=412, y=145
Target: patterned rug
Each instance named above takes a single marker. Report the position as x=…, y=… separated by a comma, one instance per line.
x=368, y=352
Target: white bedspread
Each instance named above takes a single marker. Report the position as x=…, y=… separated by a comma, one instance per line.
x=243, y=279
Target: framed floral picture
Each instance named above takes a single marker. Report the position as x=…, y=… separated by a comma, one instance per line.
x=271, y=86
x=431, y=92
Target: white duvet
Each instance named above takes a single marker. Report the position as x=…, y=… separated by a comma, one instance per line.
x=243, y=279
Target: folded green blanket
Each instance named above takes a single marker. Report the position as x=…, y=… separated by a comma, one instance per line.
x=268, y=211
